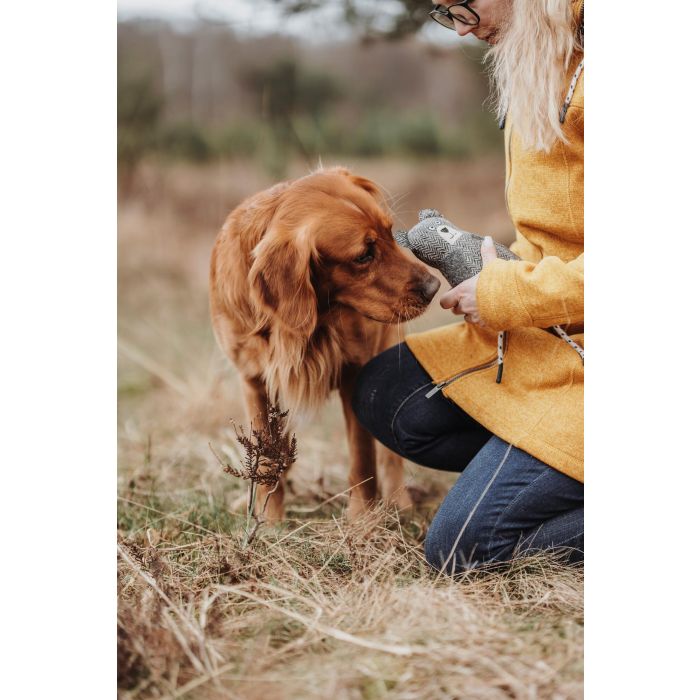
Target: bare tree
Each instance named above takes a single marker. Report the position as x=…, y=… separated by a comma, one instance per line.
x=372, y=19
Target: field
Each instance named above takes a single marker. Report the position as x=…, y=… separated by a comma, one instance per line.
x=315, y=608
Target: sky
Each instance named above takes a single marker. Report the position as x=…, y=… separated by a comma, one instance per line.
x=257, y=17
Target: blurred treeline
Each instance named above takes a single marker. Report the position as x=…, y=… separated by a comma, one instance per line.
x=206, y=93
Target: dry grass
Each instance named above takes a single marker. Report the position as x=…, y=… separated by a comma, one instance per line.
x=323, y=609
x=316, y=608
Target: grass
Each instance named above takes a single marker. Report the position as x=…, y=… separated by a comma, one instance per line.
x=317, y=607
x=320, y=608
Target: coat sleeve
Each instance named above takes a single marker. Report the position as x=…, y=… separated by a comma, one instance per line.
x=512, y=294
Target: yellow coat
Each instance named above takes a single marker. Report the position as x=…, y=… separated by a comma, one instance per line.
x=539, y=404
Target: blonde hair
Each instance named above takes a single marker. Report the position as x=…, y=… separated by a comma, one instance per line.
x=528, y=67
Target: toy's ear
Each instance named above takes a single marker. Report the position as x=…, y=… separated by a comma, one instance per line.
x=424, y=214
x=401, y=237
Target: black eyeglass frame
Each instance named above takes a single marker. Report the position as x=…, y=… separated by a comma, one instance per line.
x=445, y=12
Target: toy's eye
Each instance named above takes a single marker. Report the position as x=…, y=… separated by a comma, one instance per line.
x=432, y=228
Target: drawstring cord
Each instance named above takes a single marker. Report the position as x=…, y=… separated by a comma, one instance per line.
x=501, y=342
x=570, y=93
x=567, y=99
x=562, y=334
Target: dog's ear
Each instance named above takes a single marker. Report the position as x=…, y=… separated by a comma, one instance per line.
x=280, y=279
x=367, y=186
x=373, y=190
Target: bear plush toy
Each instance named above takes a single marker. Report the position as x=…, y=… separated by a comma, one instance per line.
x=457, y=255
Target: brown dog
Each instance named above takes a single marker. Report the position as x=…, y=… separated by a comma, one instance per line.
x=305, y=282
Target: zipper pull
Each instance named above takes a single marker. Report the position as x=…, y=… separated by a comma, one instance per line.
x=435, y=389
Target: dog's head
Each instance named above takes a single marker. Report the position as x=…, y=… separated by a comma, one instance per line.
x=329, y=242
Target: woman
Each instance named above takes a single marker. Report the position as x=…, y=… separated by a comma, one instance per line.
x=518, y=444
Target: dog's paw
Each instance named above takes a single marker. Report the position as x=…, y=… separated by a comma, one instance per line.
x=358, y=506
x=401, y=499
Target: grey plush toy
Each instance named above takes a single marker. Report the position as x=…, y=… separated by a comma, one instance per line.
x=457, y=255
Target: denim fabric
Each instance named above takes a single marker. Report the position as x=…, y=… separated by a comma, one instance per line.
x=504, y=503
x=389, y=400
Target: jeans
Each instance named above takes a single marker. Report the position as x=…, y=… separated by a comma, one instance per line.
x=505, y=502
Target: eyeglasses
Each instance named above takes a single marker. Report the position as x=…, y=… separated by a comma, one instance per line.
x=459, y=12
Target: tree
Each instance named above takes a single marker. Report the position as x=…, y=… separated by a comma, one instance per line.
x=371, y=18
x=139, y=111
x=285, y=90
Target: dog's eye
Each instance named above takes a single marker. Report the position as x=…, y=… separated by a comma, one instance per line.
x=366, y=257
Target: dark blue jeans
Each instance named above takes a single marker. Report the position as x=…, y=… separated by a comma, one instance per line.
x=505, y=503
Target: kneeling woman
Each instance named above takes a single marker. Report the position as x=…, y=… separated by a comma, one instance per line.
x=519, y=443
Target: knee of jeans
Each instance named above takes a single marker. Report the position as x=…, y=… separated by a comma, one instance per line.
x=432, y=549
x=409, y=431
x=441, y=552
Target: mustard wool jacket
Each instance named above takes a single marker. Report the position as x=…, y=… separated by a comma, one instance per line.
x=538, y=406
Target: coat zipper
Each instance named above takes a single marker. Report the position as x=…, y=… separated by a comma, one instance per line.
x=509, y=169
x=455, y=377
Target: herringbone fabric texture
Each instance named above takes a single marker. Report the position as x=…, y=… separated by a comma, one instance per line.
x=439, y=243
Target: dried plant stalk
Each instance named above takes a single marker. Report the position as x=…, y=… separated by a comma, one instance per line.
x=269, y=453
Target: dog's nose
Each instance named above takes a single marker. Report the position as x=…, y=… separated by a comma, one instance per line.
x=427, y=288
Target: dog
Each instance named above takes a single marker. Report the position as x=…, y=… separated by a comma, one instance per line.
x=306, y=284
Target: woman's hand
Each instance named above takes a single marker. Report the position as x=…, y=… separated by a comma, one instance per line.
x=462, y=298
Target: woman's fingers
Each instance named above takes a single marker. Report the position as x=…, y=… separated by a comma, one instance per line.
x=449, y=299
x=488, y=251
x=462, y=298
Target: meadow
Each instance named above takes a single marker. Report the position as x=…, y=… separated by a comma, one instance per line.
x=316, y=607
